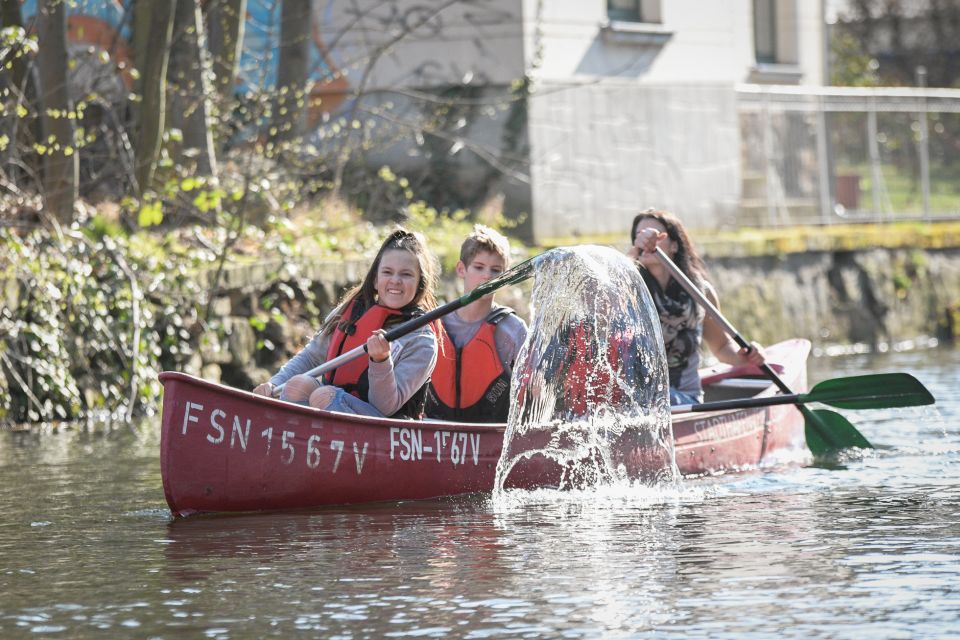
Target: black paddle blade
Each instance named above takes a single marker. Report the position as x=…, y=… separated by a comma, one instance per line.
x=827, y=432
x=876, y=391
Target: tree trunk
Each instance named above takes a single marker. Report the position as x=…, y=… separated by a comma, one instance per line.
x=10, y=17
x=290, y=112
x=225, y=24
x=189, y=89
x=60, y=175
x=24, y=131
x=225, y=27
x=152, y=34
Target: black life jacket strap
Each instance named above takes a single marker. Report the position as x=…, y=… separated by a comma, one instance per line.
x=495, y=316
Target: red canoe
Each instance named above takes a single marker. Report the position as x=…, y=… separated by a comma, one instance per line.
x=223, y=449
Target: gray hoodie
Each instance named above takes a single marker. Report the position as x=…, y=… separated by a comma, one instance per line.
x=392, y=382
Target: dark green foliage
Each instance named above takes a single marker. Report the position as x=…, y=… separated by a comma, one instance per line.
x=89, y=320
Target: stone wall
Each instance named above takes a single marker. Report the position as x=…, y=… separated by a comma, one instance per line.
x=245, y=342
x=873, y=297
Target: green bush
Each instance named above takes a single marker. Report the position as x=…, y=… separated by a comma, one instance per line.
x=90, y=320
x=92, y=314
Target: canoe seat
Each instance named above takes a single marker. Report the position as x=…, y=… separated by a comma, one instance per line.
x=729, y=388
x=743, y=383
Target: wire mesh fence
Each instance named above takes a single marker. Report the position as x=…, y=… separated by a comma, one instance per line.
x=824, y=155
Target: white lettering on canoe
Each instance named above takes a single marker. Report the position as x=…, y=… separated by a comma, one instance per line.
x=242, y=435
x=405, y=442
x=409, y=441
x=731, y=426
x=217, y=413
x=188, y=417
x=416, y=444
x=460, y=444
x=455, y=450
x=359, y=457
x=313, y=453
x=337, y=445
x=459, y=448
x=284, y=444
x=441, y=438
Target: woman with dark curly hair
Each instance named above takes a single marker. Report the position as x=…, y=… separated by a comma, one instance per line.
x=682, y=320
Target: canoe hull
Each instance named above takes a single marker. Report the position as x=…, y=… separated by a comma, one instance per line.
x=228, y=450
x=224, y=450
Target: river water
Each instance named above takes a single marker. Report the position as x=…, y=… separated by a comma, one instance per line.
x=866, y=548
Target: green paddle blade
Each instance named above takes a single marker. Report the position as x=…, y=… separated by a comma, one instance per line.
x=828, y=432
x=876, y=391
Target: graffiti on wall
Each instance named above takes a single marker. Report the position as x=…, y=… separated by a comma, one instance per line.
x=446, y=42
x=345, y=36
x=99, y=30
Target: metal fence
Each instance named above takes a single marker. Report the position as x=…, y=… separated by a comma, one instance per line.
x=826, y=155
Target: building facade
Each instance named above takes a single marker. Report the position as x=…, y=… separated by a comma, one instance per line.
x=573, y=114
x=630, y=103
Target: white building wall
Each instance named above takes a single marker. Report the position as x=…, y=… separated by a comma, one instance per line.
x=629, y=116
x=423, y=43
x=812, y=36
x=601, y=153
x=702, y=41
x=623, y=115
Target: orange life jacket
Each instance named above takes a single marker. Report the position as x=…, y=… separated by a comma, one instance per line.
x=470, y=384
x=582, y=389
x=351, y=333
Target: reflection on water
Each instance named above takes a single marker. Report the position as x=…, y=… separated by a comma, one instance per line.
x=591, y=379
x=870, y=548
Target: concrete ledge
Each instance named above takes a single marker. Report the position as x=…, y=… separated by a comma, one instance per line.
x=847, y=237
x=789, y=240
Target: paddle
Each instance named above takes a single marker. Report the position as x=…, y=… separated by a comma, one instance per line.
x=827, y=432
x=875, y=391
x=517, y=274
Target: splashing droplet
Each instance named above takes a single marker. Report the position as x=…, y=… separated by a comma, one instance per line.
x=590, y=383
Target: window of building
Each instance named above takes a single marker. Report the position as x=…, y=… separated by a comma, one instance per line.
x=633, y=10
x=776, y=41
x=765, y=30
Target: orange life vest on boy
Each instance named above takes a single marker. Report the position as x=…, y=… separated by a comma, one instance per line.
x=470, y=384
x=352, y=333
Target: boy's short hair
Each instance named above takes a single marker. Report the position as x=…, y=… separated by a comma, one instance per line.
x=483, y=238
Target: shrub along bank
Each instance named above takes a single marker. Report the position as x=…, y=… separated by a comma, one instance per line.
x=91, y=314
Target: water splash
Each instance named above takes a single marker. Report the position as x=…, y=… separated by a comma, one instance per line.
x=592, y=405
